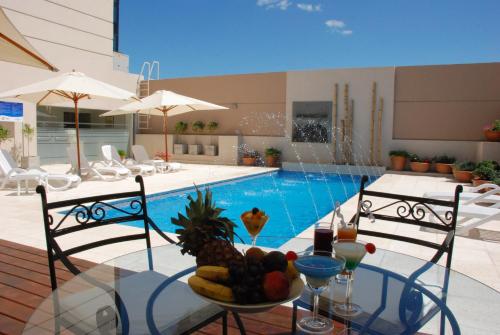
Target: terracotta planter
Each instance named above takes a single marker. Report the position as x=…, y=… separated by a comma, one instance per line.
x=492, y=135
x=443, y=168
x=419, y=166
x=398, y=163
x=272, y=161
x=463, y=176
x=249, y=161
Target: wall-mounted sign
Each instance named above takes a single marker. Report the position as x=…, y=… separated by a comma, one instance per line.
x=11, y=111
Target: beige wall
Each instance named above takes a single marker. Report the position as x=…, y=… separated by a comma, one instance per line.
x=446, y=102
x=70, y=34
x=256, y=103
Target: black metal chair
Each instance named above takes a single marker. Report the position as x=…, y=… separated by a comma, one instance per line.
x=98, y=211
x=410, y=210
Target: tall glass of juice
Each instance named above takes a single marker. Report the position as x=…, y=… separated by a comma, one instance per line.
x=323, y=239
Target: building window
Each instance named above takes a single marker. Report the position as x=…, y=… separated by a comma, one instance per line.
x=312, y=121
x=116, y=24
x=83, y=120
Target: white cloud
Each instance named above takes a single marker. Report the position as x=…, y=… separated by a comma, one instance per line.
x=346, y=32
x=269, y=4
x=309, y=7
x=335, y=24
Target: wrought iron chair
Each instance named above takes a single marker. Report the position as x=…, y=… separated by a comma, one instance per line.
x=98, y=211
x=411, y=210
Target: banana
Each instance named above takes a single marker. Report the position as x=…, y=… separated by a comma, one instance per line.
x=213, y=273
x=211, y=289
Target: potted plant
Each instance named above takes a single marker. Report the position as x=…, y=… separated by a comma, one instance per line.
x=485, y=172
x=398, y=159
x=463, y=171
x=418, y=164
x=122, y=154
x=4, y=134
x=272, y=157
x=250, y=157
x=444, y=164
x=29, y=161
x=180, y=128
x=492, y=132
x=212, y=126
x=198, y=126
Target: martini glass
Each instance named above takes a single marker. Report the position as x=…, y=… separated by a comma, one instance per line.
x=253, y=224
x=353, y=252
x=318, y=269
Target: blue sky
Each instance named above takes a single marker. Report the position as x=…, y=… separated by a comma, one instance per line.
x=212, y=37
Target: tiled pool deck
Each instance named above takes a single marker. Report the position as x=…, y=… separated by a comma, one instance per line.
x=477, y=257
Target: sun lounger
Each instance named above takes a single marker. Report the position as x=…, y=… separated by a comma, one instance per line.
x=472, y=216
x=12, y=173
x=141, y=156
x=112, y=158
x=470, y=197
x=95, y=169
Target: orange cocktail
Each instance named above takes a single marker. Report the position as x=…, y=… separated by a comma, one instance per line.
x=347, y=233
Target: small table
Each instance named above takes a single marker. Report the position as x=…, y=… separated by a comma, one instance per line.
x=160, y=301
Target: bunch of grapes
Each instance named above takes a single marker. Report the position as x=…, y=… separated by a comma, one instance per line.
x=246, y=281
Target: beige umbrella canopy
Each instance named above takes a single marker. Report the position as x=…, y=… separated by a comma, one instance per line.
x=14, y=48
x=72, y=87
x=164, y=103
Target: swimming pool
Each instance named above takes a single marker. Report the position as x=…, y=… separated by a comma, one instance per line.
x=293, y=201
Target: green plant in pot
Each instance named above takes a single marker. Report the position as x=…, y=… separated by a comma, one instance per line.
x=249, y=157
x=4, y=134
x=398, y=159
x=418, y=164
x=485, y=172
x=122, y=153
x=181, y=127
x=443, y=164
x=198, y=126
x=212, y=126
x=463, y=171
x=272, y=157
x=492, y=131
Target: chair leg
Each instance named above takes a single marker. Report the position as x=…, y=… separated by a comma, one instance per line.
x=239, y=323
x=294, y=318
x=224, y=324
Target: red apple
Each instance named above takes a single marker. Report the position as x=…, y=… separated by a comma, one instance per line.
x=276, y=286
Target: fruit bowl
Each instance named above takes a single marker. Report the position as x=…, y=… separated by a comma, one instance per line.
x=296, y=287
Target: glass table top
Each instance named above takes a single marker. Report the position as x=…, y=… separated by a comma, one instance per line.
x=397, y=292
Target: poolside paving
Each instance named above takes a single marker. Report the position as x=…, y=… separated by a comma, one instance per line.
x=477, y=256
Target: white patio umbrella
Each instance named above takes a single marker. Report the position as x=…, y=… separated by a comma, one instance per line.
x=164, y=103
x=14, y=48
x=68, y=87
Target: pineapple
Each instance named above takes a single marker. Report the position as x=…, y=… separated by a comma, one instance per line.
x=205, y=234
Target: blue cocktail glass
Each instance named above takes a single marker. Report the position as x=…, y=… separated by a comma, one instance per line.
x=318, y=271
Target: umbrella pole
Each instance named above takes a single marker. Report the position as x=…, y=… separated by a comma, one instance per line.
x=165, y=133
x=77, y=129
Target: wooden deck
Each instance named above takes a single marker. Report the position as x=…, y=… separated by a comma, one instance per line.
x=24, y=284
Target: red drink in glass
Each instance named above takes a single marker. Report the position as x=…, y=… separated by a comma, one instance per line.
x=323, y=239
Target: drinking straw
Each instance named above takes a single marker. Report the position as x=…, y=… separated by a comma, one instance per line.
x=337, y=205
x=357, y=213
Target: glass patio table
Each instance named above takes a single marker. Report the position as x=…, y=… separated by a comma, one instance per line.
x=398, y=293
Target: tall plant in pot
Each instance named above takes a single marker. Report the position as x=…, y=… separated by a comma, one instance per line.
x=398, y=159
x=463, y=171
x=4, y=134
x=492, y=131
x=272, y=157
x=444, y=164
x=485, y=172
x=418, y=164
x=28, y=160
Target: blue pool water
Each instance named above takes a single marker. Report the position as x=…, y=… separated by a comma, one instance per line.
x=293, y=201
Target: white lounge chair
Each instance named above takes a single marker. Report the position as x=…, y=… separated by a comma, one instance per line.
x=112, y=158
x=472, y=216
x=95, y=169
x=141, y=156
x=12, y=173
x=470, y=196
